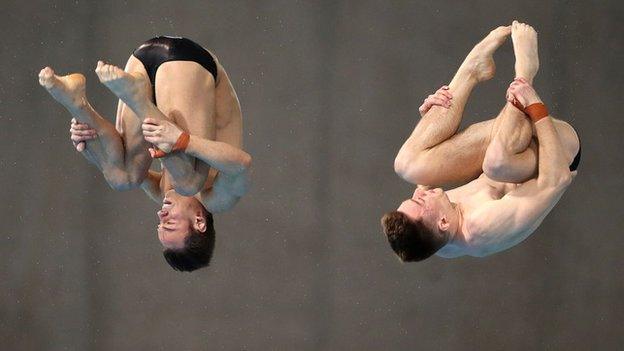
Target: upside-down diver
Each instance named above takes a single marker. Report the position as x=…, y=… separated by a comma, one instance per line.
x=176, y=104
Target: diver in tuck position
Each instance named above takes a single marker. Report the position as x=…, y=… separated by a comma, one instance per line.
x=523, y=162
x=176, y=104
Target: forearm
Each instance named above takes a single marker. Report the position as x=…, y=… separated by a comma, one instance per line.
x=219, y=155
x=553, y=163
x=188, y=175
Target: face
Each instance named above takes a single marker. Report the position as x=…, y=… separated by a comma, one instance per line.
x=178, y=216
x=427, y=205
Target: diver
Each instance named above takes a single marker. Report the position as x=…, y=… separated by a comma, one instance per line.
x=176, y=104
x=508, y=172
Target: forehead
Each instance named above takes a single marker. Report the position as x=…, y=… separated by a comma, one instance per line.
x=411, y=209
x=172, y=239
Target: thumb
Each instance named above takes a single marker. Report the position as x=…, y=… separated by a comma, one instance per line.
x=80, y=146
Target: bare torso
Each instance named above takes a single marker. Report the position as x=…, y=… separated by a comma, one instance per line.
x=471, y=197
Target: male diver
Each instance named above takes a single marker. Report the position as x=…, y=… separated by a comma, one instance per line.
x=523, y=162
x=176, y=104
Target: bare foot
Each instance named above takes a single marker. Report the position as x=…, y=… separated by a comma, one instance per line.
x=68, y=90
x=479, y=63
x=524, y=39
x=133, y=88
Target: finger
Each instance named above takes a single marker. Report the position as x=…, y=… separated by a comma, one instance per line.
x=152, y=152
x=443, y=96
x=150, y=120
x=154, y=133
x=82, y=132
x=445, y=93
x=439, y=102
x=81, y=126
x=151, y=139
x=149, y=127
x=425, y=107
x=445, y=87
x=80, y=146
x=79, y=138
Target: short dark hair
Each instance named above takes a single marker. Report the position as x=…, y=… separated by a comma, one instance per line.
x=410, y=239
x=197, y=250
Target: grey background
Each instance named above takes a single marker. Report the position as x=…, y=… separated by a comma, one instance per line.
x=329, y=91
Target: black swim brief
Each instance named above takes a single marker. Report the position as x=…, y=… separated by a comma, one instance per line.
x=577, y=159
x=157, y=51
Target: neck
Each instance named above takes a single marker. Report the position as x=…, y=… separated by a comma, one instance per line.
x=456, y=233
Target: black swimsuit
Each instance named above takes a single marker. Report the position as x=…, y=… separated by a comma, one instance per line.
x=157, y=51
x=577, y=159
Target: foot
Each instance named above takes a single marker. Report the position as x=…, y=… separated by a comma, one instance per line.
x=479, y=63
x=524, y=39
x=68, y=90
x=133, y=88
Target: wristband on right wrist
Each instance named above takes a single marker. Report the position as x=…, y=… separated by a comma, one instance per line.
x=536, y=111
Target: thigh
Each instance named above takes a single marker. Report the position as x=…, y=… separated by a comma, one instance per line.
x=459, y=159
x=185, y=92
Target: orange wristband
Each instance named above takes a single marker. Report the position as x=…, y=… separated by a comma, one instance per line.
x=536, y=111
x=180, y=145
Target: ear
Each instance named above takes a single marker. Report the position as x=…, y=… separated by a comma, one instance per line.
x=200, y=223
x=443, y=224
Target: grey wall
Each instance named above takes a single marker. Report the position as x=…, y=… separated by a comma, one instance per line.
x=329, y=91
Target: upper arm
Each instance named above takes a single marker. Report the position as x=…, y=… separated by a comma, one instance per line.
x=516, y=215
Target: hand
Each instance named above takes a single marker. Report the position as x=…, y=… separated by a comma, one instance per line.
x=81, y=132
x=442, y=98
x=162, y=133
x=522, y=92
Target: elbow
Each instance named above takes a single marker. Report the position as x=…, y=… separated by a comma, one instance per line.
x=561, y=180
x=242, y=165
x=410, y=170
x=245, y=162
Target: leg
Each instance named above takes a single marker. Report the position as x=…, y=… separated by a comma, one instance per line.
x=512, y=154
x=185, y=92
x=434, y=154
x=107, y=151
x=508, y=157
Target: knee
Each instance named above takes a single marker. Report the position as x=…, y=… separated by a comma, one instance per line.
x=495, y=163
x=122, y=181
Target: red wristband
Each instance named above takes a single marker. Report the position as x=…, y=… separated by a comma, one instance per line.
x=536, y=111
x=182, y=142
x=180, y=145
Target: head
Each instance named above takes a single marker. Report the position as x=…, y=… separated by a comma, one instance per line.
x=186, y=231
x=421, y=225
